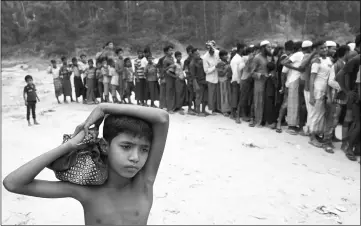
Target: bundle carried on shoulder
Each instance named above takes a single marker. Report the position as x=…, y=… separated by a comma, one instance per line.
x=85, y=166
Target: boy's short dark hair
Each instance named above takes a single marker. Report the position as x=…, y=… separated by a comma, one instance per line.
x=223, y=53
x=53, y=61
x=240, y=46
x=74, y=59
x=167, y=48
x=63, y=58
x=194, y=50
x=118, y=50
x=177, y=53
x=189, y=48
x=341, y=52
x=117, y=124
x=139, y=51
x=82, y=55
x=289, y=45
x=126, y=60
x=28, y=77
x=90, y=61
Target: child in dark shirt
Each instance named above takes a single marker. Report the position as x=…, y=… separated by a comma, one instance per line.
x=30, y=98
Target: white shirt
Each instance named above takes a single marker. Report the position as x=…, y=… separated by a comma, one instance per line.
x=82, y=67
x=237, y=65
x=296, y=60
x=143, y=62
x=322, y=69
x=209, y=66
x=54, y=71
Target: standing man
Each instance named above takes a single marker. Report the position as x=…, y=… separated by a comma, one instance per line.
x=189, y=78
x=162, y=85
x=349, y=83
x=237, y=65
x=259, y=73
x=210, y=60
x=83, y=66
x=169, y=70
x=292, y=85
x=119, y=68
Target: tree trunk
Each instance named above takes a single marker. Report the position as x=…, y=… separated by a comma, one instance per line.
x=270, y=18
x=215, y=19
x=305, y=20
x=25, y=19
x=205, y=20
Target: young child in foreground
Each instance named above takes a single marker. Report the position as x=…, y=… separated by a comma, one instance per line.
x=135, y=138
x=30, y=98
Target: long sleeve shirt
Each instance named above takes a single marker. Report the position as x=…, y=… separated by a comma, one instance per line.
x=209, y=66
x=196, y=70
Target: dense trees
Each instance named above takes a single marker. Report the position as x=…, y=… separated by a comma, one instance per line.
x=60, y=27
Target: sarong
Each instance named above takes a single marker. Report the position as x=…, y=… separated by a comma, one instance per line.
x=153, y=88
x=79, y=87
x=58, y=86
x=292, y=104
x=270, y=114
x=141, y=90
x=235, y=92
x=214, y=97
x=170, y=93
x=309, y=108
x=318, y=117
x=258, y=100
x=245, y=93
x=225, y=93
x=67, y=91
x=162, y=95
x=201, y=94
x=181, y=96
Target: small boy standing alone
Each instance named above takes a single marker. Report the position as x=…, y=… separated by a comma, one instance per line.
x=30, y=98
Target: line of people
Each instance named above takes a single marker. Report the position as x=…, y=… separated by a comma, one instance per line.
x=303, y=84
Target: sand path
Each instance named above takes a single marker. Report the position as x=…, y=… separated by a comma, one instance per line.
x=213, y=171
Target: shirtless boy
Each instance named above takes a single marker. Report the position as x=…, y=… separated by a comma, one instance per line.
x=135, y=138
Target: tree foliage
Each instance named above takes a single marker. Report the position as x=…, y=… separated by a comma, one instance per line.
x=55, y=25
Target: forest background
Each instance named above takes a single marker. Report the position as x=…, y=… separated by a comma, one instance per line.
x=54, y=28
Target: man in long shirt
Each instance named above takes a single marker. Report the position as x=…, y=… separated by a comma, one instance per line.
x=169, y=70
x=199, y=82
x=162, y=85
x=237, y=65
x=259, y=74
x=210, y=60
x=334, y=105
x=347, y=78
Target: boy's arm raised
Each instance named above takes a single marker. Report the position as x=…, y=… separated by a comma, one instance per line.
x=157, y=117
x=22, y=181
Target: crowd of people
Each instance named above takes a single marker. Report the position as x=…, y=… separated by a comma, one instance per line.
x=309, y=86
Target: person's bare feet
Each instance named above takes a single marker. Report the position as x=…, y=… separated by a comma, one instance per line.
x=259, y=125
x=238, y=120
x=29, y=123
x=36, y=122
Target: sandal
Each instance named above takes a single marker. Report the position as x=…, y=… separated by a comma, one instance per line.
x=291, y=131
x=315, y=143
x=329, y=149
x=351, y=156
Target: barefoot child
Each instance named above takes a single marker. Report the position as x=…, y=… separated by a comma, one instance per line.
x=135, y=138
x=30, y=97
x=65, y=73
x=90, y=83
x=129, y=78
x=53, y=70
x=150, y=74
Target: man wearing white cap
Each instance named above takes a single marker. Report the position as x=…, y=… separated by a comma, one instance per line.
x=292, y=85
x=259, y=74
x=331, y=48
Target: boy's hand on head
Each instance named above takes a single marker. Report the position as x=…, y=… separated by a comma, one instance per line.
x=95, y=118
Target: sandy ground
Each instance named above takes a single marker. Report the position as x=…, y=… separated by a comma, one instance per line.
x=213, y=170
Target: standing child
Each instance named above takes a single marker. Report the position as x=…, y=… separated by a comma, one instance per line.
x=181, y=93
x=224, y=70
x=114, y=82
x=65, y=73
x=90, y=83
x=99, y=77
x=150, y=73
x=129, y=77
x=162, y=86
x=78, y=83
x=106, y=78
x=54, y=70
x=119, y=68
x=134, y=140
x=30, y=97
x=140, y=82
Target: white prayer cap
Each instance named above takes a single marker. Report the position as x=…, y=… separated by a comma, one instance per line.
x=352, y=46
x=306, y=44
x=251, y=46
x=265, y=42
x=331, y=44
